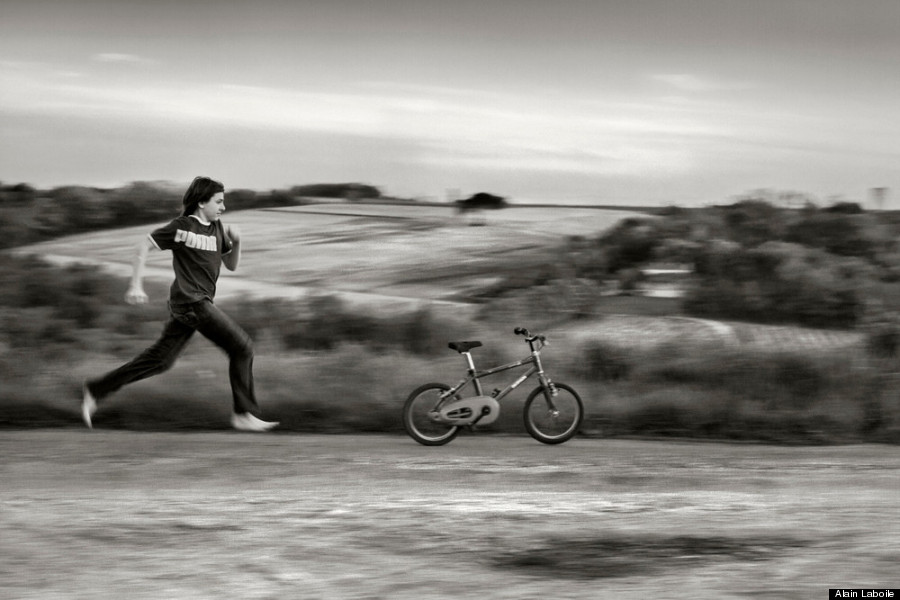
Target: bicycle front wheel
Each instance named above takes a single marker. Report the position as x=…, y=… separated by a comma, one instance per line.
x=419, y=420
x=556, y=419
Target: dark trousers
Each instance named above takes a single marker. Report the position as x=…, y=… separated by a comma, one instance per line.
x=215, y=325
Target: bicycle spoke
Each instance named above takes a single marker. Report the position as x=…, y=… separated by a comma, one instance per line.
x=420, y=416
x=555, y=419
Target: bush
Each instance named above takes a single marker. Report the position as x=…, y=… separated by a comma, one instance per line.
x=630, y=244
x=778, y=282
x=348, y=191
x=559, y=299
x=606, y=361
x=752, y=222
x=481, y=201
x=882, y=335
x=701, y=390
x=78, y=293
x=326, y=322
x=836, y=233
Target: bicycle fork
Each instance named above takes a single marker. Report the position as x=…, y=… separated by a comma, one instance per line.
x=550, y=391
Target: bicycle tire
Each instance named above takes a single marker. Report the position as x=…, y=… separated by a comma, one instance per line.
x=419, y=426
x=547, y=427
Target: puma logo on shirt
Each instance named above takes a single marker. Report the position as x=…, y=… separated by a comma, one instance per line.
x=196, y=241
x=197, y=250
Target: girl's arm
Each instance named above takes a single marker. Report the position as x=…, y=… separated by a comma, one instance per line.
x=135, y=293
x=233, y=258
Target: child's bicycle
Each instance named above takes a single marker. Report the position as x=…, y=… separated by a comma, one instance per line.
x=435, y=412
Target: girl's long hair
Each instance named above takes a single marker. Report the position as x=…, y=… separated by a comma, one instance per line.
x=200, y=190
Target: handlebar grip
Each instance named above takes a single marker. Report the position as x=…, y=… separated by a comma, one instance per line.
x=520, y=331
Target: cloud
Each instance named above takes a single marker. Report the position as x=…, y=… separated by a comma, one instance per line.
x=617, y=158
x=448, y=128
x=416, y=89
x=451, y=127
x=121, y=58
x=687, y=82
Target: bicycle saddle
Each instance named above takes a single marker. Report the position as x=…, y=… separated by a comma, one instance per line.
x=463, y=346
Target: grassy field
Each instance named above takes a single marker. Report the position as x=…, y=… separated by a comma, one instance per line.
x=351, y=307
x=402, y=257
x=388, y=256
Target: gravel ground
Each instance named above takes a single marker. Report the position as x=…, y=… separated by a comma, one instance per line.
x=116, y=514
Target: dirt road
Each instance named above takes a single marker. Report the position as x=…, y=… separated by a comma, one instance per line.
x=114, y=514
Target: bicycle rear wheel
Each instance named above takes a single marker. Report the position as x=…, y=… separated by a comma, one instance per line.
x=418, y=419
x=554, y=420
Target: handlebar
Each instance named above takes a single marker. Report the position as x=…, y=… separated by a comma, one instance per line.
x=528, y=337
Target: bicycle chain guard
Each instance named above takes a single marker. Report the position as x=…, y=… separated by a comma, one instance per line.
x=482, y=410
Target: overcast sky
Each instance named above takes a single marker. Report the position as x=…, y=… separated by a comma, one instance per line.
x=632, y=101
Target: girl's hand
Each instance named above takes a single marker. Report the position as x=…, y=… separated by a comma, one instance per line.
x=233, y=233
x=136, y=295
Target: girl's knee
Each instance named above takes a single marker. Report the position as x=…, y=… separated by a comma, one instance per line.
x=164, y=363
x=161, y=361
x=169, y=362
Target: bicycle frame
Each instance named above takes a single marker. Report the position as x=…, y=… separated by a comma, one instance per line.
x=474, y=375
x=434, y=413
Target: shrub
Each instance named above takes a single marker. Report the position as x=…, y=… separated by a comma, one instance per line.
x=882, y=335
x=834, y=232
x=259, y=316
x=349, y=191
x=559, y=299
x=78, y=293
x=778, y=282
x=606, y=361
x=325, y=322
x=630, y=244
x=752, y=222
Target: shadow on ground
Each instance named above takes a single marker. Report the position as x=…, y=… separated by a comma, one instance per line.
x=620, y=556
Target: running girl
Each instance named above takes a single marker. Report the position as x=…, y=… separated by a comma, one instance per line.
x=200, y=244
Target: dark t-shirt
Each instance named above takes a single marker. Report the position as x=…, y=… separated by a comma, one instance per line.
x=197, y=251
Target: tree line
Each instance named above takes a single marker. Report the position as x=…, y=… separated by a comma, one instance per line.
x=29, y=215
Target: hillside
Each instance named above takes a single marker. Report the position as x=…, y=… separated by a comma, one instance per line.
x=400, y=257
x=383, y=255
x=643, y=365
